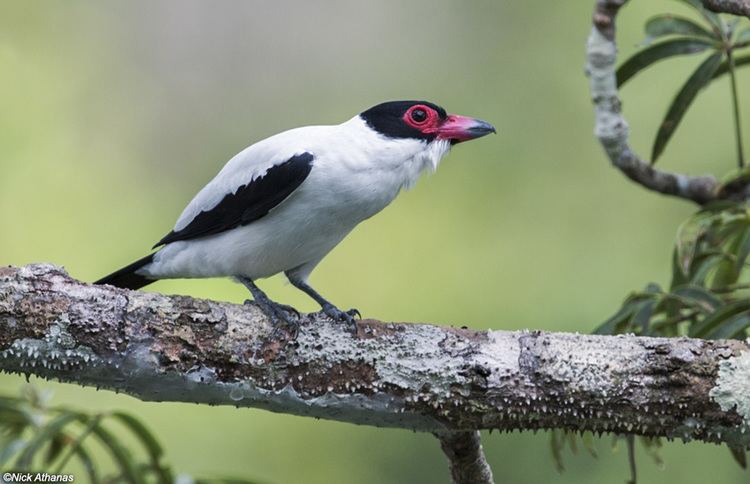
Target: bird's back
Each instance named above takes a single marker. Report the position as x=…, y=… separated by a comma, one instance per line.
x=251, y=163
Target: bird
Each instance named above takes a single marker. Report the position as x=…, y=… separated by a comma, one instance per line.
x=283, y=203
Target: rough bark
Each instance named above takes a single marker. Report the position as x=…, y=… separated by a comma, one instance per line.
x=612, y=129
x=417, y=376
x=735, y=7
x=466, y=457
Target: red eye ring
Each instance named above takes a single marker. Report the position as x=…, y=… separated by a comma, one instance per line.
x=420, y=116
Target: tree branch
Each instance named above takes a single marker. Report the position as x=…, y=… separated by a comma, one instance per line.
x=735, y=7
x=417, y=376
x=466, y=457
x=612, y=129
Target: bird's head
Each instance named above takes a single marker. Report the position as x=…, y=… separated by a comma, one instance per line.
x=423, y=121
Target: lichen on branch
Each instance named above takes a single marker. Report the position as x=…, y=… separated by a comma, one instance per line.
x=417, y=376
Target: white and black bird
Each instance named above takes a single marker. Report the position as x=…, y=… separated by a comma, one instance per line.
x=283, y=203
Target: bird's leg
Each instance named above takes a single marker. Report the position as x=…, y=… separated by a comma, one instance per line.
x=275, y=311
x=329, y=309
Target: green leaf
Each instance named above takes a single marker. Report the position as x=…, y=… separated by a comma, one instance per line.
x=706, y=300
x=147, y=438
x=652, y=446
x=702, y=266
x=724, y=66
x=717, y=206
x=642, y=317
x=588, y=443
x=635, y=312
x=743, y=36
x=669, y=48
x=652, y=288
x=668, y=24
x=77, y=449
x=77, y=443
x=708, y=325
x=55, y=448
x=153, y=447
x=16, y=410
x=728, y=231
x=9, y=451
x=617, y=323
x=697, y=81
x=716, y=23
x=731, y=327
x=678, y=275
x=688, y=234
x=726, y=274
x=120, y=454
x=556, y=444
x=731, y=237
x=743, y=250
x=88, y=463
x=44, y=435
x=572, y=441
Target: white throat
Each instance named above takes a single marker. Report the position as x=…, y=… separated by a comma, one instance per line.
x=404, y=159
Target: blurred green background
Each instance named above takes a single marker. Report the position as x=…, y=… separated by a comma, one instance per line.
x=113, y=114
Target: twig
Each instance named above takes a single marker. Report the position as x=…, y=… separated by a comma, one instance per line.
x=630, y=441
x=736, y=110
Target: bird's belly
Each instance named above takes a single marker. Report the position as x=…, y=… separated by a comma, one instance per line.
x=280, y=241
x=302, y=229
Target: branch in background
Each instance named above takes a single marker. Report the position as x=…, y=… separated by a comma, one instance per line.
x=416, y=376
x=735, y=7
x=612, y=129
x=466, y=457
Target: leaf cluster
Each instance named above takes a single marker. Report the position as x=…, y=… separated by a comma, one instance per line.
x=684, y=36
x=36, y=437
x=709, y=295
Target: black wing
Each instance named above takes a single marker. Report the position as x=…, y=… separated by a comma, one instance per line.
x=249, y=203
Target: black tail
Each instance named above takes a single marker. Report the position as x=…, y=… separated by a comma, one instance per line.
x=127, y=278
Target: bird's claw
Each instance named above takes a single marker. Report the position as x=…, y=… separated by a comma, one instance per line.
x=277, y=313
x=289, y=309
x=338, y=315
x=354, y=312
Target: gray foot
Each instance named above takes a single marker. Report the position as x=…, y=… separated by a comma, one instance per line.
x=326, y=307
x=276, y=312
x=338, y=315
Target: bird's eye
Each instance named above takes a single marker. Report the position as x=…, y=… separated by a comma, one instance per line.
x=419, y=115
